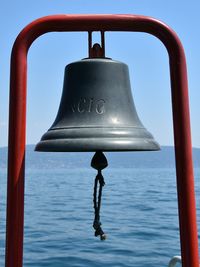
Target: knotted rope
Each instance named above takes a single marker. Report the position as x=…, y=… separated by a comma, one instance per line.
x=99, y=162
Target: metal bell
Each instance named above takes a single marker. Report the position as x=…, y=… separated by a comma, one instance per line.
x=96, y=111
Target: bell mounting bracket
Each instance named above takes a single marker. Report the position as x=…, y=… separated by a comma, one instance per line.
x=96, y=50
x=180, y=108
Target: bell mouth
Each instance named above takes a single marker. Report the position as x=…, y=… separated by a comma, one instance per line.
x=93, y=139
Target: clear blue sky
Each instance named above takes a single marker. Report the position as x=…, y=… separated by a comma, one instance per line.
x=145, y=55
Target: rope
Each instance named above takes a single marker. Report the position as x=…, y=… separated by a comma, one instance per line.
x=99, y=162
x=97, y=205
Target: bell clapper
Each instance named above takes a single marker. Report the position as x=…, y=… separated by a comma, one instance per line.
x=99, y=162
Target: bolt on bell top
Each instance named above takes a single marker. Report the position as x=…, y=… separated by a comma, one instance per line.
x=97, y=112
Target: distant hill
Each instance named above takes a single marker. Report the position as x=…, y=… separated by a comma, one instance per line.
x=43, y=160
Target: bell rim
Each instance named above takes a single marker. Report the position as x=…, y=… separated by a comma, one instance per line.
x=97, y=144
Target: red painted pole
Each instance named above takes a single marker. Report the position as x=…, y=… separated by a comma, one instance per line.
x=181, y=122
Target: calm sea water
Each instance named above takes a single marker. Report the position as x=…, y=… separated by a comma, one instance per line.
x=139, y=216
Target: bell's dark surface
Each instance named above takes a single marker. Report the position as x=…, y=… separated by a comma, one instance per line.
x=97, y=111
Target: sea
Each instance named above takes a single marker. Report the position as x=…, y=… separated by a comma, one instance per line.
x=139, y=212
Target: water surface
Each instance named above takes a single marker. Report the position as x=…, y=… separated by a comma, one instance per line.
x=139, y=216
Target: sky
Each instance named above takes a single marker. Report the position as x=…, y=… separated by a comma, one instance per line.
x=144, y=54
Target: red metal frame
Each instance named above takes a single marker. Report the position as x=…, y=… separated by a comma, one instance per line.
x=181, y=122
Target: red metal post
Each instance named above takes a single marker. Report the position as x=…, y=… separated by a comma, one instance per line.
x=181, y=121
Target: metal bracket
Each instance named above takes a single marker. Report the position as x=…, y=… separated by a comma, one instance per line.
x=96, y=50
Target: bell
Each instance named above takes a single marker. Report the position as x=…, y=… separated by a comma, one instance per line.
x=96, y=111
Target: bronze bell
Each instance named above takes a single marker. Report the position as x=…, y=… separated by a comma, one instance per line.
x=97, y=112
